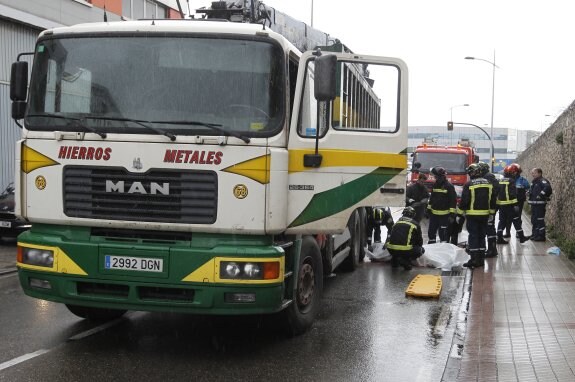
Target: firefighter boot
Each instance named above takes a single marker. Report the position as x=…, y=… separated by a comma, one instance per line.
x=491, y=248
x=501, y=240
x=522, y=237
x=479, y=259
x=471, y=262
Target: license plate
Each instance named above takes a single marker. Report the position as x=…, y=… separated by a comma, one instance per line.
x=134, y=263
x=4, y=224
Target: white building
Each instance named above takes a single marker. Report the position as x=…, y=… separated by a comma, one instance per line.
x=508, y=143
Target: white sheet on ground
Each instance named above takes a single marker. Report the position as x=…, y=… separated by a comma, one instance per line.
x=443, y=255
x=379, y=253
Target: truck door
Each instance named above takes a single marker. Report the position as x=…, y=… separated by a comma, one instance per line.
x=361, y=140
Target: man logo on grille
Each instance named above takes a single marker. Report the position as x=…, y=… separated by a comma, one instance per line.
x=137, y=187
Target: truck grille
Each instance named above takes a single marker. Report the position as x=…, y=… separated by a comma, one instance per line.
x=170, y=196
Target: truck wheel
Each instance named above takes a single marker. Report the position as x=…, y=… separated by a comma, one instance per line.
x=327, y=256
x=95, y=314
x=352, y=260
x=300, y=315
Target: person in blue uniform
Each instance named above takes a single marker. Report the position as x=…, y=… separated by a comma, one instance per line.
x=522, y=185
x=539, y=195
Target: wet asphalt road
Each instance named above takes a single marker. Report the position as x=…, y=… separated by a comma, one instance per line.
x=368, y=330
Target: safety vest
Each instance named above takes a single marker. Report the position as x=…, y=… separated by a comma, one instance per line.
x=476, y=198
x=402, y=235
x=442, y=200
x=507, y=194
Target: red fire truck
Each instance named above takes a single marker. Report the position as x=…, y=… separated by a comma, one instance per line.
x=454, y=159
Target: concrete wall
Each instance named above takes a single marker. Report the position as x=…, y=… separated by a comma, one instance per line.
x=558, y=164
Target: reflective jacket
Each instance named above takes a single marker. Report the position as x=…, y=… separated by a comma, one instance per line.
x=443, y=199
x=493, y=181
x=405, y=234
x=507, y=194
x=522, y=186
x=478, y=198
x=540, y=191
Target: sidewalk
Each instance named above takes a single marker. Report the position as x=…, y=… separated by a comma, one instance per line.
x=521, y=318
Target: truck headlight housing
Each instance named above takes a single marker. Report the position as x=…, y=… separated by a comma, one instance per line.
x=36, y=256
x=244, y=270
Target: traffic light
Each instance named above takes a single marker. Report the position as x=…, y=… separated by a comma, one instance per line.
x=449, y=126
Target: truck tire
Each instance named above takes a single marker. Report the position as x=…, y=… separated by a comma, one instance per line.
x=95, y=314
x=301, y=313
x=327, y=256
x=352, y=260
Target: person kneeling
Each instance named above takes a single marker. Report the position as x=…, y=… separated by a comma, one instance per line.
x=405, y=241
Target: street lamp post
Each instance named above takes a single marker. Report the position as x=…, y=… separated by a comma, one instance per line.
x=492, y=157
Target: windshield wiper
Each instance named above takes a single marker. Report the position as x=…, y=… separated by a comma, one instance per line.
x=138, y=122
x=72, y=122
x=147, y=124
x=213, y=126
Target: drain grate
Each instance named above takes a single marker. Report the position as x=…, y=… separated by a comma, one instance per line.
x=452, y=273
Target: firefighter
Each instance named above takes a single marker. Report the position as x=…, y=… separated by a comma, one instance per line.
x=491, y=232
x=522, y=186
x=539, y=195
x=406, y=241
x=478, y=204
x=376, y=217
x=508, y=208
x=417, y=196
x=441, y=207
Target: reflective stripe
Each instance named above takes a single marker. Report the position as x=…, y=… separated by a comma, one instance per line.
x=439, y=212
x=536, y=202
x=478, y=212
x=444, y=191
x=407, y=246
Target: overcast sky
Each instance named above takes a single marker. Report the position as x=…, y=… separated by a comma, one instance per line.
x=533, y=42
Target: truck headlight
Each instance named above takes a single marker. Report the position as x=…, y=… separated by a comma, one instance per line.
x=231, y=270
x=243, y=270
x=36, y=256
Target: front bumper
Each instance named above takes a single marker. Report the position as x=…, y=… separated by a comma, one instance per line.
x=188, y=283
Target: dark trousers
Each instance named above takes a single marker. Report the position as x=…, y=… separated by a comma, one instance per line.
x=438, y=223
x=491, y=232
x=538, y=220
x=404, y=257
x=375, y=228
x=508, y=226
x=477, y=229
x=419, y=210
x=507, y=216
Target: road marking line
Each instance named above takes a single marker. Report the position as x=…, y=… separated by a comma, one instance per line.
x=22, y=358
x=95, y=330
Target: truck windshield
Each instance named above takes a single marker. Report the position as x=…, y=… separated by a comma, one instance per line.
x=454, y=163
x=102, y=81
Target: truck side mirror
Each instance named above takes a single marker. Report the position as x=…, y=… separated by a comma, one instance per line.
x=325, y=77
x=19, y=88
x=19, y=81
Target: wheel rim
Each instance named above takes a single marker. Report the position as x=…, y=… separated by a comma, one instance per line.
x=305, y=286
